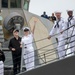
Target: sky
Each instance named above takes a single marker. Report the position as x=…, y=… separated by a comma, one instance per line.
x=38, y=6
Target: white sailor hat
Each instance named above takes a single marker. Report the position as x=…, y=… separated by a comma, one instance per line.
x=26, y=29
x=58, y=12
x=70, y=10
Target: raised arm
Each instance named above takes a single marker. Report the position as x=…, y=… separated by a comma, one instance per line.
x=33, y=29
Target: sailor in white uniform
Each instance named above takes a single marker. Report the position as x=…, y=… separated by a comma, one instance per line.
x=28, y=48
x=58, y=28
x=71, y=31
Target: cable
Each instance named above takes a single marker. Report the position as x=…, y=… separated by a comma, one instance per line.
x=53, y=49
x=46, y=38
x=41, y=48
x=50, y=44
x=52, y=36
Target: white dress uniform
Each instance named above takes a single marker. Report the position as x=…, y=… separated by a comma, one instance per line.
x=71, y=32
x=2, y=59
x=1, y=68
x=28, y=51
x=57, y=28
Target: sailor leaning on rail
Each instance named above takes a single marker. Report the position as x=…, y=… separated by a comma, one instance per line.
x=58, y=28
x=28, y=47
x=71, y=31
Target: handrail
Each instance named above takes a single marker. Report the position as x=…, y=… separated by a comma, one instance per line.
x=43, y=55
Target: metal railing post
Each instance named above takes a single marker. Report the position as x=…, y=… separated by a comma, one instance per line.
x=45, y=57
x=22, y=54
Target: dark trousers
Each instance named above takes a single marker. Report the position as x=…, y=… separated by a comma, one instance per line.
x=16, y=63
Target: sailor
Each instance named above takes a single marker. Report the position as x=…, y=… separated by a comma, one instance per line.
x=70, y=24
x=2, y=59
x=28, y=47
x=58, y=29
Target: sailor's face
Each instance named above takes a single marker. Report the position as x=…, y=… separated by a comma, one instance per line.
x=70, y=13
x=15, y=33
x=58, y=15
x=26, y=32
x=52, y=14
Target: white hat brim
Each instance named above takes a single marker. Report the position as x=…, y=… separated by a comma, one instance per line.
x=70, y=10
x=26, y=28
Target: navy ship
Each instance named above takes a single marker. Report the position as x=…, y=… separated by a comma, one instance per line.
x=15, y=14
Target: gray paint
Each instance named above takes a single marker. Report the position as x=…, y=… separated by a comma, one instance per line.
x=63, y=67
x=0, y=4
